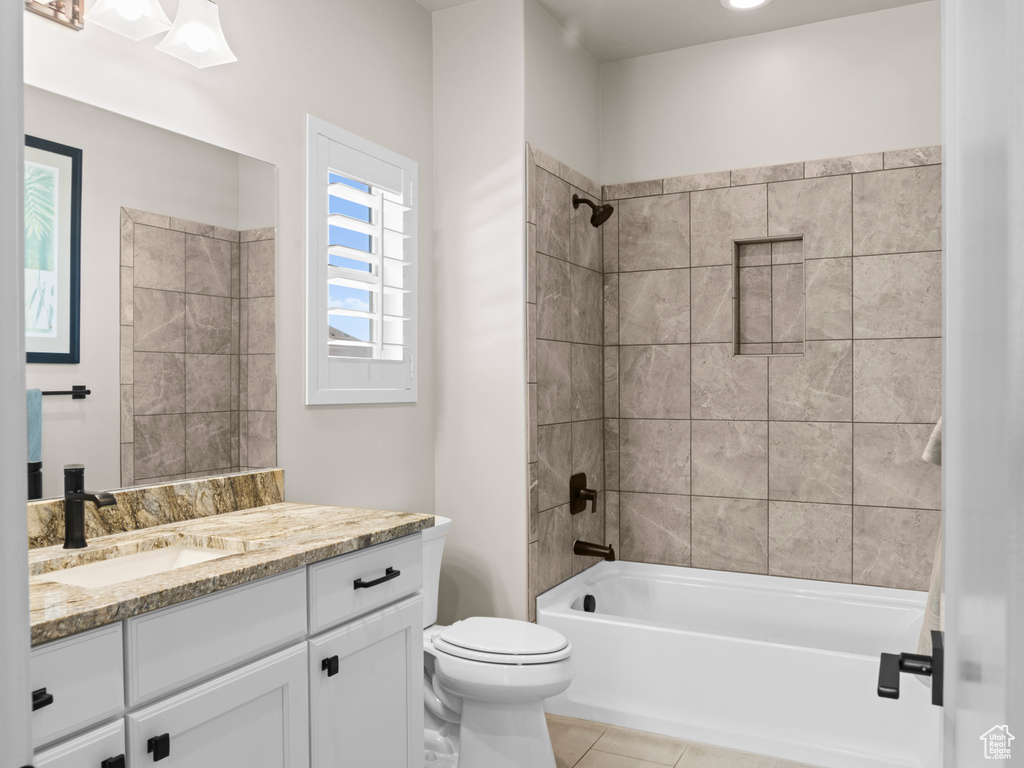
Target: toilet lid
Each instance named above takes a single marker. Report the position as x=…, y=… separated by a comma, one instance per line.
x=502, y=641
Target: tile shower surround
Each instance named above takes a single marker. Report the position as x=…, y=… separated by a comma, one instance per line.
x=198, y=374
x=805, y=466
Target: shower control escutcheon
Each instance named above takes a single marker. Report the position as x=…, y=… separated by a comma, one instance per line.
x=579, y=494
x=893, y=664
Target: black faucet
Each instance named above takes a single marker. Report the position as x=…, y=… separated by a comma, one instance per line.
x=587, y=549
x=75, y=497
x=579, y=494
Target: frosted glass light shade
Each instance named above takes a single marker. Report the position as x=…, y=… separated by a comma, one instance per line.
x=744, y=5
x=135, y=19
x=196, y=36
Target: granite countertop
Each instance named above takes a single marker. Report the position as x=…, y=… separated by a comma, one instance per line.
x=266, y=540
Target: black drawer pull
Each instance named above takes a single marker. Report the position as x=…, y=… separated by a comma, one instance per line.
x=159, y=746
x=113, y=762
x=41, y=699
x=330, y=665
x=389, y=574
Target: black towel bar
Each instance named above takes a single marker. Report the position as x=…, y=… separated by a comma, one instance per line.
x=77, y=392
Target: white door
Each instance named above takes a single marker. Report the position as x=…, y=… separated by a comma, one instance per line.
x=983, y=444
x=99, y=748
x=256, y=717
x=366, y=691
x=15, y=698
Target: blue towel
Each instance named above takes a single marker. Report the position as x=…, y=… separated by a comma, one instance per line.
x=35, y=425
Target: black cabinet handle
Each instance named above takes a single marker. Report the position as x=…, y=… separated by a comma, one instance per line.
x=41, y=699
x=159, y=746
x=389, y=574
x=330, y=665
x=113, y=762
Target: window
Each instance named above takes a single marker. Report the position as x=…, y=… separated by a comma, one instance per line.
x=361, y=270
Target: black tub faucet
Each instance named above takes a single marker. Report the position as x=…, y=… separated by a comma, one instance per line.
x=75, y=497
x=589, y=549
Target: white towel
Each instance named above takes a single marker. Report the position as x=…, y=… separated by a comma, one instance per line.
x=933, y=451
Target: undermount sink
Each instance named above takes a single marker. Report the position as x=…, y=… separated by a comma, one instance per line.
x=127, y=567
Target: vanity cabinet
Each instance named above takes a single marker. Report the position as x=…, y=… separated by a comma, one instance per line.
x=255, y=717
x=320, y=666
x=366, y=690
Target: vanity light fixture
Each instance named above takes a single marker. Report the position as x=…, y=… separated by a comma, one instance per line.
x=135, y=19
x=196, y=36
x=744, y=5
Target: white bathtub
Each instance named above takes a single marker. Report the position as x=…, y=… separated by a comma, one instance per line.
x=781, y=667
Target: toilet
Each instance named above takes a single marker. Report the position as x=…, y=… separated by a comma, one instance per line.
x=485, y=681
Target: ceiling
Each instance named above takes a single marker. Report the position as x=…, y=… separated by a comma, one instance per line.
x=621, y=29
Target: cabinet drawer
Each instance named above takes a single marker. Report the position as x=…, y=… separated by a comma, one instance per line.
x=173, y=647
x=350, y=585
x=254, y=717
x=85, y=676
x=88, y=751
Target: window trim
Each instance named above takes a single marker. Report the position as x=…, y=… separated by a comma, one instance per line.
x=318, y=391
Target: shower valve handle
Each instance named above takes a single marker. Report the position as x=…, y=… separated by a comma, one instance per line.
x=579, y=494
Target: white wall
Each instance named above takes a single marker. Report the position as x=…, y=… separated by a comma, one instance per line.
x=134, y=165
x=479, y=186
x=864, y=83
x=288, y=65
x=563, y=94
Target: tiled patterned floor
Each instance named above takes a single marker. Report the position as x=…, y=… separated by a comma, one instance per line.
x=584, y=744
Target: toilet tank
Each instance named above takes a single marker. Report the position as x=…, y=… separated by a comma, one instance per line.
x=433, y=549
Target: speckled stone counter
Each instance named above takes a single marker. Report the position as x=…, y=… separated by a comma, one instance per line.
x=266, y=540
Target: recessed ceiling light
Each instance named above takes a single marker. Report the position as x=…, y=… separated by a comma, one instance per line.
x=744, y=5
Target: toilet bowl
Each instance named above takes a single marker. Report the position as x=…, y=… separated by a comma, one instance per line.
x=485, y=682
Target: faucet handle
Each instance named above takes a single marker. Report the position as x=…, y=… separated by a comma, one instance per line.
x=579, y=494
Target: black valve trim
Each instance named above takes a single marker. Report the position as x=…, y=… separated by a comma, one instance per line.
x=389, y=574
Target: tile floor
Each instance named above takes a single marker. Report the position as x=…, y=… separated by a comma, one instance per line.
x=585, y=744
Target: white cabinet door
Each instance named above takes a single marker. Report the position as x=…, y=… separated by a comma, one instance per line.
x=366, y=689
x=255, y=717
x=100, y=748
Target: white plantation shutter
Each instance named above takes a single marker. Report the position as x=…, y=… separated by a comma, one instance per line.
x=361, y=270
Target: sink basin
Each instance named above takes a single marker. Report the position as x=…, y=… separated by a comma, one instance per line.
x=128, y=567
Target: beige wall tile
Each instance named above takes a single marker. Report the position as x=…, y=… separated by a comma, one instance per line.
x=261, y=277
x=836, y=166
x=554, y=457
x=897, y=380
x=810, y=461
x=768, y=173
x=208, y=265
x=905, y=158
x=654, y=232
x=818, y=209
x=159, y=445
x=531, y=263
x=697, y=182
x=816, y=386
x=159, y=260
x=208, y=441
x=654, y=307
x=611, y=519
x=587, y=363
x=894, y=547
x=554, y=547
x=711, y=304
x=756, y=254
x=262, y=386
x=159, y=321
x=261, y=438
x=532, y=429
x=655, y=381
x=810, y=541
x=610, y=241
x=729, y=535
x=208, y=324
x=588, y=452
x=725, y=386
x=654, y=456
x=719, y=216
x=586, y=306
x=755, y=310
x=897, y=211
x=897, y=296
x=888, y=470
x=554, y=382
x=208, y=383
x=632, y=189
x=654, y=528
x=554, y=206
x=554, y=304
x=787, y=252
x=730, y=458
x=531, y=343
x=159, y=383
x=611, y=309
x=611, y=382
x=787, y=287
x=611, y=453
x=828, y=298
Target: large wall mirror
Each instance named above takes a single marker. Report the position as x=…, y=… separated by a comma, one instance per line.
x=177, y=312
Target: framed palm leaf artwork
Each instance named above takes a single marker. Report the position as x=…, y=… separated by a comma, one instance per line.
x=53, y=235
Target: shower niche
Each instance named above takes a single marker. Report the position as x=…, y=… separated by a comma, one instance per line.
x=768, y=296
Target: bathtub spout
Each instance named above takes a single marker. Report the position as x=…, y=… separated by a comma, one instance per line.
x=586, y=549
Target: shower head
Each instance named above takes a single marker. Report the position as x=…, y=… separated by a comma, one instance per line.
x=601, y=213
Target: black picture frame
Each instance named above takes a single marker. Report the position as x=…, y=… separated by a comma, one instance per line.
x=73, y=353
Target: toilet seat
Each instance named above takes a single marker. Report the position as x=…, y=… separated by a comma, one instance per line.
x=502, y=641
